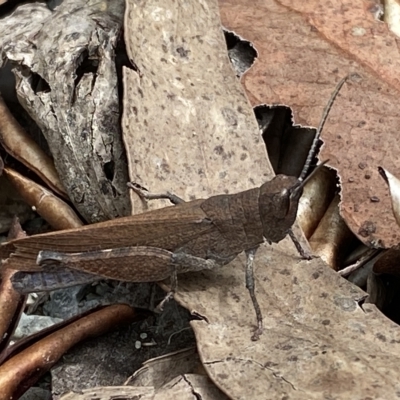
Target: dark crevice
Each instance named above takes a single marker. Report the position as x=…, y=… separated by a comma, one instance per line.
x=38, y=84
x=241, y=52
x=86, y=65
x=121, y=60
x=287, y=144
x=194, y=392
x=361, y=302
x=109, y=170
x=197, y=317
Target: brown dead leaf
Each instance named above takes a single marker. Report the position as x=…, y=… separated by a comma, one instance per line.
x=332, y=239
x=318, y=340
x=317, y=196
x=111, y=393
x=190, y=386
x=394, y=187
x=81, y=123
x=12, y=304
x=54, y=210
x=185, y=387
x=304, y=49
x=160, y=370
x=187, y=124
x=11, y=205
x=22, y=147
x=17, y=373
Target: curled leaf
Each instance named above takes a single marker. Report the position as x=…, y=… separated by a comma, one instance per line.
x=332, y=236
x=394, y=187
x=54, y=210
x=317, y=195
x=19, y=372
x=22, y=147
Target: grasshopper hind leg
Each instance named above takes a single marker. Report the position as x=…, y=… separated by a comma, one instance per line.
x=172, y=291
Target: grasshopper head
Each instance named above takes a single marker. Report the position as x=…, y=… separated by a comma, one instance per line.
x=278, y=202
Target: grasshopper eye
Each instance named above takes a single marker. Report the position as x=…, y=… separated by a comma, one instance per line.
x=282, y=203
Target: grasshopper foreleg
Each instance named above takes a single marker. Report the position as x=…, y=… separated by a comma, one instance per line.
x=250, y=287
x=302, y=251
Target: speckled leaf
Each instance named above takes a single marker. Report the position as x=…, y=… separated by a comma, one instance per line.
x=188, y=127
x=304, y=49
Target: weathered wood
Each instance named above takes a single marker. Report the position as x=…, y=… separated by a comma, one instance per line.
x=64, y=63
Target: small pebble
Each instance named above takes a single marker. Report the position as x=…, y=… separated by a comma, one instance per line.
x=143, y=335
x=138, y=344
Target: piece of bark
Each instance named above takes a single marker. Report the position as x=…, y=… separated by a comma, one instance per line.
x=67, y=81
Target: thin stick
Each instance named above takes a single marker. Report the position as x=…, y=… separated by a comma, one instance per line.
x=321, y=126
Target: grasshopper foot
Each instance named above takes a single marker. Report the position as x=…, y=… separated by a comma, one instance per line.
x=257, y=332
x=168, y=297
x=170, y=294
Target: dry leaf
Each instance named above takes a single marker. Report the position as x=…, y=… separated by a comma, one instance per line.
x=21, y=146
x=189, y=387
x=318, y=340
x=317, y=196
x=394, y=187
x=54, y=210
x=186, y=387
x=12, y=304
x=11, y=205
x=111, y=393
x=158, y=371
x=19, y=372
x=187, y=124
x=313, y=45
x=332, y=238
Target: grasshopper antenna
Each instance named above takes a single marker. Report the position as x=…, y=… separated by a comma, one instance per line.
x=314, y=144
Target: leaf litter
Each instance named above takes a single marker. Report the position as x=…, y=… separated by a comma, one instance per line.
x=320, y=340
x=313, y=45
x=186, y=95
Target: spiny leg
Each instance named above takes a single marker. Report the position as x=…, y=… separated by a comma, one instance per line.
x=303, y=252
x=154, y=196
x=184, y=263
x=172, y=291
x=250, y=287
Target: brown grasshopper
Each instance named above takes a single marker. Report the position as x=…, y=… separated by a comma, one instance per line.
x=155, y=245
